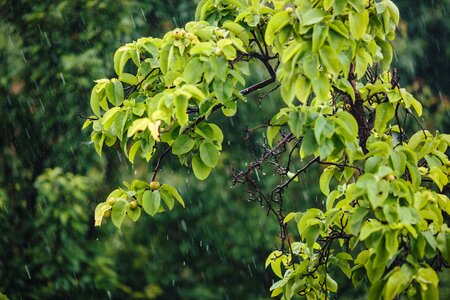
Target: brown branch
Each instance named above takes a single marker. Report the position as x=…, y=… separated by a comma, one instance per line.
x=158, y=163
x=357, y=110
x=361, y=171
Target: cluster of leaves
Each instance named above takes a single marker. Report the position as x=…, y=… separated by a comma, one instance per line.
x=49, y=53
x=122, y=203
x=185, y=71
x=62, y=234
x=384, y=185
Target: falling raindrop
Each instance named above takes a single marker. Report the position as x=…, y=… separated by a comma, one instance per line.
x=183, y=225
x=47, y=39
x=28, y=272
x=143, y=15
x=249, y=270
x=257, y=174
x=23, y=56
x=11, y=42
x=62, y=77
x=132, y=20
x=28, y=134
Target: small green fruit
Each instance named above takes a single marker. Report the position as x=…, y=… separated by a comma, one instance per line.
x=289, y=9
x=190, y=36
x=111, y=201
x=178, y=34
x=390, y=177
x=154, y=185
x=133, y=204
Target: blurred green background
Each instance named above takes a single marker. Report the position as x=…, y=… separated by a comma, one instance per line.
x=51, y=178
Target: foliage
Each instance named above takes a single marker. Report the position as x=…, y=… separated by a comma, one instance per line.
x=49, y=53
x=342, y=109
x=423, y=41
x=62, y=232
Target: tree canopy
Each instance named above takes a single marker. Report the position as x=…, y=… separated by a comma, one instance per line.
x=342, y=109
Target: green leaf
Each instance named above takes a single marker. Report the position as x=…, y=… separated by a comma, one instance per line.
x=183, y=144
x=386, y=50
x=358, y=23
x=393, y=11
x=302, y=225
x=181, y=105
x=167, y=197
x=98, y=138
x=358, y=218
x=296, y=122
x=173, y=191
x=96, y=97
x=431, y=240
x=330, y=59
x=323, y=128
x=201, y=170
x=398, y=162
x=88, y=122
x=322, y=87
x=368, y=184
x=108, y=117
x=217, y=133
x=309, y=144
x=134, y=214
x=302, y=88
x=339, y=27
x=312, y=233
x=376, y=290
x=151, y=200
x=193, y=71
x=331, y=284
x=324, y=181
x=313, y=16
x=138, y=125
x=369, y=228
x=220, y=67
x=439, y=177
x=276, y=267
x=289, y=217
x=209, y=154
x=327, y=4
x=397, y=282
x=114, y=92
x=133, y=150
x=276, y=23
x=128, y=79
x=118, y=212
x=121, y=56
x=383, y=114
x=311, y=67
x=320, y=34
x=347, y=123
